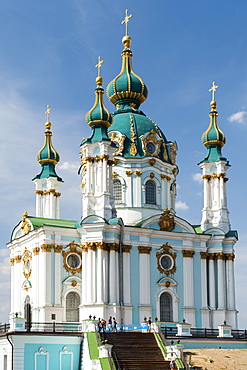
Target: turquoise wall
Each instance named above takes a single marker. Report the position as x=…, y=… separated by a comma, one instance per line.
x=52, y=352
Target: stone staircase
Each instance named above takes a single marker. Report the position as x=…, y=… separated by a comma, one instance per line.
x=137, y=351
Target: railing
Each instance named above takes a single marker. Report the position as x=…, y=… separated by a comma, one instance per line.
x=171, y=331
x=53, y=327
x=4, y=328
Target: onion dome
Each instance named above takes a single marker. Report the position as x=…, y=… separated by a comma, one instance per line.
x=99, y=118
x=127, y=86
x=48, y=157
x=213, y=138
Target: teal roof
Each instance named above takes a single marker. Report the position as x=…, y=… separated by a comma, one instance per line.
x=48, y=157
x=213, y=138
x=127, y=85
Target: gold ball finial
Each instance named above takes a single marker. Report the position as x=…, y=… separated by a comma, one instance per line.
x=48, y=126
x=126, y=40
x=99, y=80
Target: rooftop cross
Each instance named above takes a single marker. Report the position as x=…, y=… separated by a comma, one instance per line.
x=99, y=65
x=126, y=21
x=213, y=89
x=48, y=111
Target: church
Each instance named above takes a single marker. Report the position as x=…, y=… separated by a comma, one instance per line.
x=129, y=256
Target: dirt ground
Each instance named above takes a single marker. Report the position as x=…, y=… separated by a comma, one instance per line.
x=220, y=359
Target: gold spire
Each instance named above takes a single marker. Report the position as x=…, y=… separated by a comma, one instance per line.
x=126, y=40
x=48, y=111
x=213, y=89
x=99, y=79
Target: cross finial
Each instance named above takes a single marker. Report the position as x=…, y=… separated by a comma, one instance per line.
x=126, y=21
x=213, y=89
x=99, y=65
x=48, y=111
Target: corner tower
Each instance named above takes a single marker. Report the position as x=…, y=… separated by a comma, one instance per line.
x=214, y=167
x=144, y=172
x=48, y=182
x=96, y=159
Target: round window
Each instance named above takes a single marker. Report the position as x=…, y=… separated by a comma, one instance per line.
x=151, y=148
x=27, y=266
x=166, y=262
x=73, y=261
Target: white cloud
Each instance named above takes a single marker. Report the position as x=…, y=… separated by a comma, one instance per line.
x=197, y=177
x=181, y=205
x=69, y=166
x=240, y=117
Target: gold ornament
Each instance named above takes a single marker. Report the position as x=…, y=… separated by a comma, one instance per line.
x=166, y=221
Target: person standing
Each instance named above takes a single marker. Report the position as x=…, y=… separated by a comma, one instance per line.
x=114, y=324
x=110, y=323
x=149, y=324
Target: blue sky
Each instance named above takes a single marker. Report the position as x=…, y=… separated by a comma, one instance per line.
x=48, y=51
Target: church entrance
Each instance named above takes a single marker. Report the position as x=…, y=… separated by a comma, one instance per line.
x=166, y=313
x=72, y=307
x=27, y=312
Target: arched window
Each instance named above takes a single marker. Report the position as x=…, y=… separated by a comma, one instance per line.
x=166, y=313
x=117, y=191
x=72, y=307
x=150, y=192
x=27, y=312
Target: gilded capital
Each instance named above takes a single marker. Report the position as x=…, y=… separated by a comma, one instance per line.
x=126, y=248
x=204, y=255
x=46, y=247
x=220, y=256
x=144, y=250
x=18, y=258
x=12, y=261
x=211, y=256
x=187, y=253
x=58, y=248
x=36, y=250
x=91, y=246
x=128, y=173
x=138, y=173
x=230, y=256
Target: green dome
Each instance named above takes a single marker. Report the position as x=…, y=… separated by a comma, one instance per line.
x=99, y=114
x=48, y=157
x=138, y=130
x=47, y=153
x=127, y=85
x=213, y=135
x=213, y=138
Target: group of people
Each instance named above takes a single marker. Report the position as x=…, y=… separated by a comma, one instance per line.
x=111, y=324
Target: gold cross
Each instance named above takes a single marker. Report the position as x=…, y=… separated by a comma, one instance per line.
x=99, y=65
x=126, y=21
x=48, y=111
x=213, y=89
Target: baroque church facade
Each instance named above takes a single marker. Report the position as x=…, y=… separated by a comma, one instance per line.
x=130, y=255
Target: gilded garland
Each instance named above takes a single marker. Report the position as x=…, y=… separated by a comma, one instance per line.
x=72, y=259
x=166, y=259
x=27, y=263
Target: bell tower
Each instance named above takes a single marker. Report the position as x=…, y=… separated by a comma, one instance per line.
x=214, y=167
x=47, y=182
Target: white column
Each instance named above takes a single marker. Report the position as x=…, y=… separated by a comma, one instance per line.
x=231, y=283
x=221, y=281
x=126, y=276
x=13, y=279
x=100, y=280
x=91, y=276
x=163, y=194
x=112, y=276
x=105, y=276
x=144, y=275
x=104, y=176
x=117, y=275
x=188, y=278
x=57, y=284
x=129, y=189
x=211, y=262
x=57, y=206
x=84, y=264
x=18, y=285
x=138, y=192
x=169, y=200
x=204, y=279
x=38, y=204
